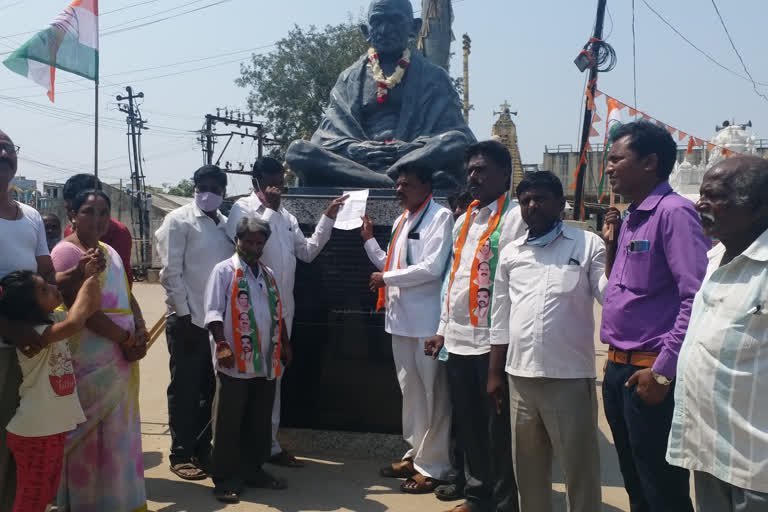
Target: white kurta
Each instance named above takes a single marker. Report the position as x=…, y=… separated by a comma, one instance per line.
x=461, y=337
x=413, y=312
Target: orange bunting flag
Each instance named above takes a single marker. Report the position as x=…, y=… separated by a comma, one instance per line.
x=690, y=146
x=728, y=153
x=671, y=130
x=646, y=117
x=593, y=132
x=620, y=105
x=598, y=93
x=590, y=99
x=681, y=135
x=699, y=142
x=710, y=146
x=632, y=112
x=596, y=118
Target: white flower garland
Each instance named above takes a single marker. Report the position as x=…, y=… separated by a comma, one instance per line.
x=384, y=82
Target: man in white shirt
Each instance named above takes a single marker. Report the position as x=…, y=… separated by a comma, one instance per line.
x=408, y=282
x=190, y=242
x=542, y=334
x=286, y=244
x=247, y=357
x=720, y=422
x=493, y=219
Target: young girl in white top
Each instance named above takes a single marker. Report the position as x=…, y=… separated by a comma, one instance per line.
x=49, y=406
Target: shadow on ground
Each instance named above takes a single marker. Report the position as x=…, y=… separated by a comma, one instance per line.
x=320, y=486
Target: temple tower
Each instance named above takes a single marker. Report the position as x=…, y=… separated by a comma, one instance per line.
x=505, y=131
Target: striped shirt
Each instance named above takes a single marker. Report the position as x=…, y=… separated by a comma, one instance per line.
x=720, y=423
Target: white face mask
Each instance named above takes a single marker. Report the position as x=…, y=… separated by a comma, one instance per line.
x=208, y=201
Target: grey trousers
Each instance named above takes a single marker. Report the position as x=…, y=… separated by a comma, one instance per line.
x=555, y=417
x=714, y=495
x=10, y=380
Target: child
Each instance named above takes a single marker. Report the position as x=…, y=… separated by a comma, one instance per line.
x=49, y=406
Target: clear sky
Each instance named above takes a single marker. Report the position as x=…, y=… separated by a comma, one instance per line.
x=522, y=52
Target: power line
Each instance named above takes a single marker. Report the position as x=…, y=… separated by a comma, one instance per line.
x=133, y=27
x=127, y=7
x=733, y=45
x=708, y=56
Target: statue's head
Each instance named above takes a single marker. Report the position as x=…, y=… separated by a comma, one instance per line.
x=390, y=26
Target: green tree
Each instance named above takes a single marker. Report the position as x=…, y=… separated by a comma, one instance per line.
x=184, y=188
x=290, y=86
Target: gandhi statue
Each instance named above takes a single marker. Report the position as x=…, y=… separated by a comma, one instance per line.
x=372, y=126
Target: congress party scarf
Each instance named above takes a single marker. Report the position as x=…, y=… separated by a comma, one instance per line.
x=252, y=361
x=391, y=246
x=484, y=263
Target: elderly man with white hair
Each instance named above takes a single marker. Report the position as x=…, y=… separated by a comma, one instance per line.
x=248, y=342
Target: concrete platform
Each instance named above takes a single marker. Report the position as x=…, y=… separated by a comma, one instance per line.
x=342, y=469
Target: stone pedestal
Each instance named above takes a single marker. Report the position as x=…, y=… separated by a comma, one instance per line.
x=343, y=376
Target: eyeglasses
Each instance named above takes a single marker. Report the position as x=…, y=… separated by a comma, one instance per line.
x=9, y=148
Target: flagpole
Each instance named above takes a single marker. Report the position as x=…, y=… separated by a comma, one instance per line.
x=96, y=130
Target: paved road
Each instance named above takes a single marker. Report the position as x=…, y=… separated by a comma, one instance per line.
x=328, y=483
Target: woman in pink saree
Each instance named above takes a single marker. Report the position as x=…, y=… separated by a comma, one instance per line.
x=103, y=467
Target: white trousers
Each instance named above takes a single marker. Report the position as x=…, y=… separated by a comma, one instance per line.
x=426, y=407
x=276, y=404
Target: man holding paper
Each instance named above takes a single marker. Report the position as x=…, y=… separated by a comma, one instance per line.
x=409, y=285
x=286, y=243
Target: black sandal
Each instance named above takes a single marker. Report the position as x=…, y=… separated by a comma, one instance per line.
x=227, y=496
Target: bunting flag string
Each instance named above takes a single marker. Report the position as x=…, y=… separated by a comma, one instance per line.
x=681, y=135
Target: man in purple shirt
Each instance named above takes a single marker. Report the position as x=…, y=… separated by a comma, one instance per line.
x=656, y=260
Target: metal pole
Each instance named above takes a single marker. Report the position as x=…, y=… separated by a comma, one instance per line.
x=208, y=140
x=96, y=131
x=588, y=115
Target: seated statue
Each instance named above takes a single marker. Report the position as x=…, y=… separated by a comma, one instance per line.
x=390, y=108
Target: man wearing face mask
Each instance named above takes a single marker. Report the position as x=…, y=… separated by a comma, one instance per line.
x=190, y=242
x=286, y=244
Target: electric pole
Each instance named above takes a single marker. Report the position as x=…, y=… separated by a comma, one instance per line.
x=140, y=198
x=590, y=59
x=239, y=121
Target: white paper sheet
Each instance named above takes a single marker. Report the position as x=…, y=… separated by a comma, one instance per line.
x=353, y=208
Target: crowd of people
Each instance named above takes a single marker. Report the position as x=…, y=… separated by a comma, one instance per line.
x=490, y=307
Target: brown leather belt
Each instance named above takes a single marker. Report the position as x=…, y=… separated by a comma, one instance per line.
x=644, y=359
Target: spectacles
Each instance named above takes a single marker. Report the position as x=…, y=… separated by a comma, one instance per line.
x=9, y=148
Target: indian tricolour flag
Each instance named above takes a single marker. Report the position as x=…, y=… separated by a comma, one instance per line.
x=70, y=43
x=612, y=123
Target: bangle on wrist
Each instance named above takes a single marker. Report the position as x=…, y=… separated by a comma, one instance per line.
x=221, y=345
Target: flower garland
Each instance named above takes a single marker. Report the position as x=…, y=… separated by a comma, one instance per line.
x=384, y=82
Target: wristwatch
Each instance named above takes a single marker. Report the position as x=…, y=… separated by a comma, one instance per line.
x=660, y=379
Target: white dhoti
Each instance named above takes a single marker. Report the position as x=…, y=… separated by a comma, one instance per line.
x=426, y=407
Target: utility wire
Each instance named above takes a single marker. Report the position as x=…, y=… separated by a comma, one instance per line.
x=733, y=45
x=128, y=7
x=134, y=27
x=708, y=56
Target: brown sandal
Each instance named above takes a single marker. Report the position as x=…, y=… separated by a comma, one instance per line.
x=402, y=469
x=188, y=471
x=420, y=484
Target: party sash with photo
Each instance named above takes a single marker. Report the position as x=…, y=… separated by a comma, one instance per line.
x=248, y=340
x=486, y=257
x=391, y=247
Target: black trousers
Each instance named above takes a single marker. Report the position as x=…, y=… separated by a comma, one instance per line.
x=640, y=433
x=190, y=393
x=242, y=430
x=485, y=437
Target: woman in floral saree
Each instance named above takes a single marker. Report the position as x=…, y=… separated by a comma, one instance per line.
x=103, y=468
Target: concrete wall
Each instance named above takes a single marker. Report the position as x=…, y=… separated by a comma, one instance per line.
x=122, y=211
